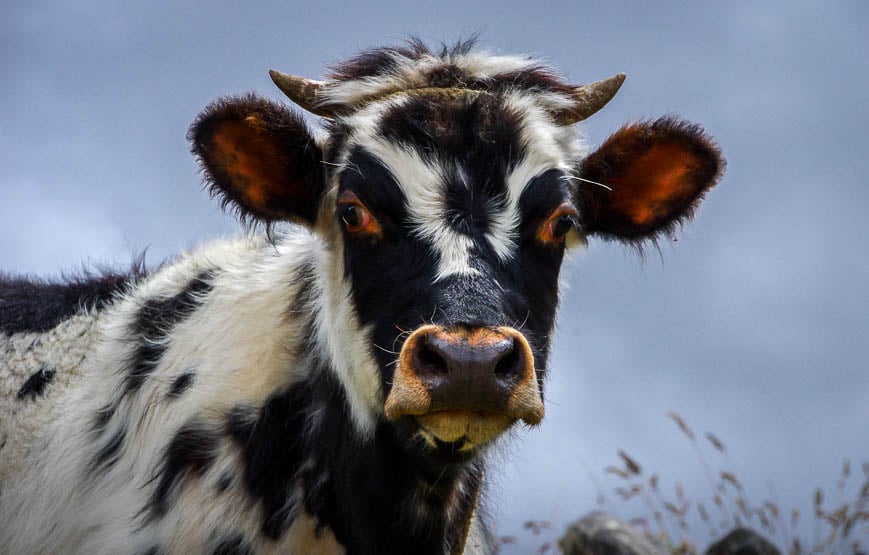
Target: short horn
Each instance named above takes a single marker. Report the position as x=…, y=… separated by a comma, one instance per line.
x=302, y=91
x=589, y=99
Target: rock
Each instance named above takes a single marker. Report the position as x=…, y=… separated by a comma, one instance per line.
x=602, y=534
x=743, y=541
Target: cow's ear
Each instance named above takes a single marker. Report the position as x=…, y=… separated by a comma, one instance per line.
x=260, y=157
x=654, y=174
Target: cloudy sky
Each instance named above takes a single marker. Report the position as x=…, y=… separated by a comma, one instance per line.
x=753, y=325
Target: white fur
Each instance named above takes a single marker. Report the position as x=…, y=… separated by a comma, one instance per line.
x=240, y=344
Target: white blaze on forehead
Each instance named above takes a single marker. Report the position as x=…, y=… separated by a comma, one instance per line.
x=424, y=186
x=421, y=179
x=546, y=146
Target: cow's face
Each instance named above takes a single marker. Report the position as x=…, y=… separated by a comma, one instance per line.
x=447, y=215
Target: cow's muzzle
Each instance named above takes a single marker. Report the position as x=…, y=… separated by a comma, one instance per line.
x=465, y=385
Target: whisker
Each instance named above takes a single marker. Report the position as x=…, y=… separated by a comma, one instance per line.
x=399, y=337
x=433, y=314
x=384, y=349
x=607, y=187
x=525, y=321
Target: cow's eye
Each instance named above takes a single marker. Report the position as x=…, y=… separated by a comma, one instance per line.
x=355, y=217
x=559, y=224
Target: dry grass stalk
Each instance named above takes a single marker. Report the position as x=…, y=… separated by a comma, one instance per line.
x=715, y=442
x=681, y=423
x=632, y=465
x=628, y=493
x=672, y=508
x=617, y=471
x=730, y=478
x=819, y=501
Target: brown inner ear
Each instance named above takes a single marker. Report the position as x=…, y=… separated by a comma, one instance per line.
x=254, y=163
x=653, y=175
x=655, y=186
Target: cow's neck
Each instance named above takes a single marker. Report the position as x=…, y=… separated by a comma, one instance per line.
x=373, y=493
x=376, y=496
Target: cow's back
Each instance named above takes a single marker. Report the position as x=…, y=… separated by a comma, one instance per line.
x=47, y=332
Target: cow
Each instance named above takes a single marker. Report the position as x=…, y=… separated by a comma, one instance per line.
x=332, y=380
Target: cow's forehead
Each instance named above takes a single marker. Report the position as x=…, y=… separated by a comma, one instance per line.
x=507, y=137
x=488, y=147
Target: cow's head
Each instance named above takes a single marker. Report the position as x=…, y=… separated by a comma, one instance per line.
x=447, y=189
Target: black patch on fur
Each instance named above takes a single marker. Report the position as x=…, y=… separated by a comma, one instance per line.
x=155, y=321
x=190, y=453
x=35, y=385
x=370, y=493
x=272, y=451
x=107, y=455
x=463, y=130
x=181, y=384
x=233, y=545
x=34, y=305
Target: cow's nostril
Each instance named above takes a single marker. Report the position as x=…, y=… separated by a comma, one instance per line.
x=509, y=366
x=429, y=362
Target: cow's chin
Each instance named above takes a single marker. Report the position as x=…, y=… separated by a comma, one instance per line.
x=461, y=433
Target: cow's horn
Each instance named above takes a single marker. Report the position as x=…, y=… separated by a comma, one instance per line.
x=302, y=91
x=589, y=99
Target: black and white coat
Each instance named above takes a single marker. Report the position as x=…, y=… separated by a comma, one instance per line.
x=278, y=392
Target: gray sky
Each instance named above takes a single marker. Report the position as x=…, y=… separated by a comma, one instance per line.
x=753, y=325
